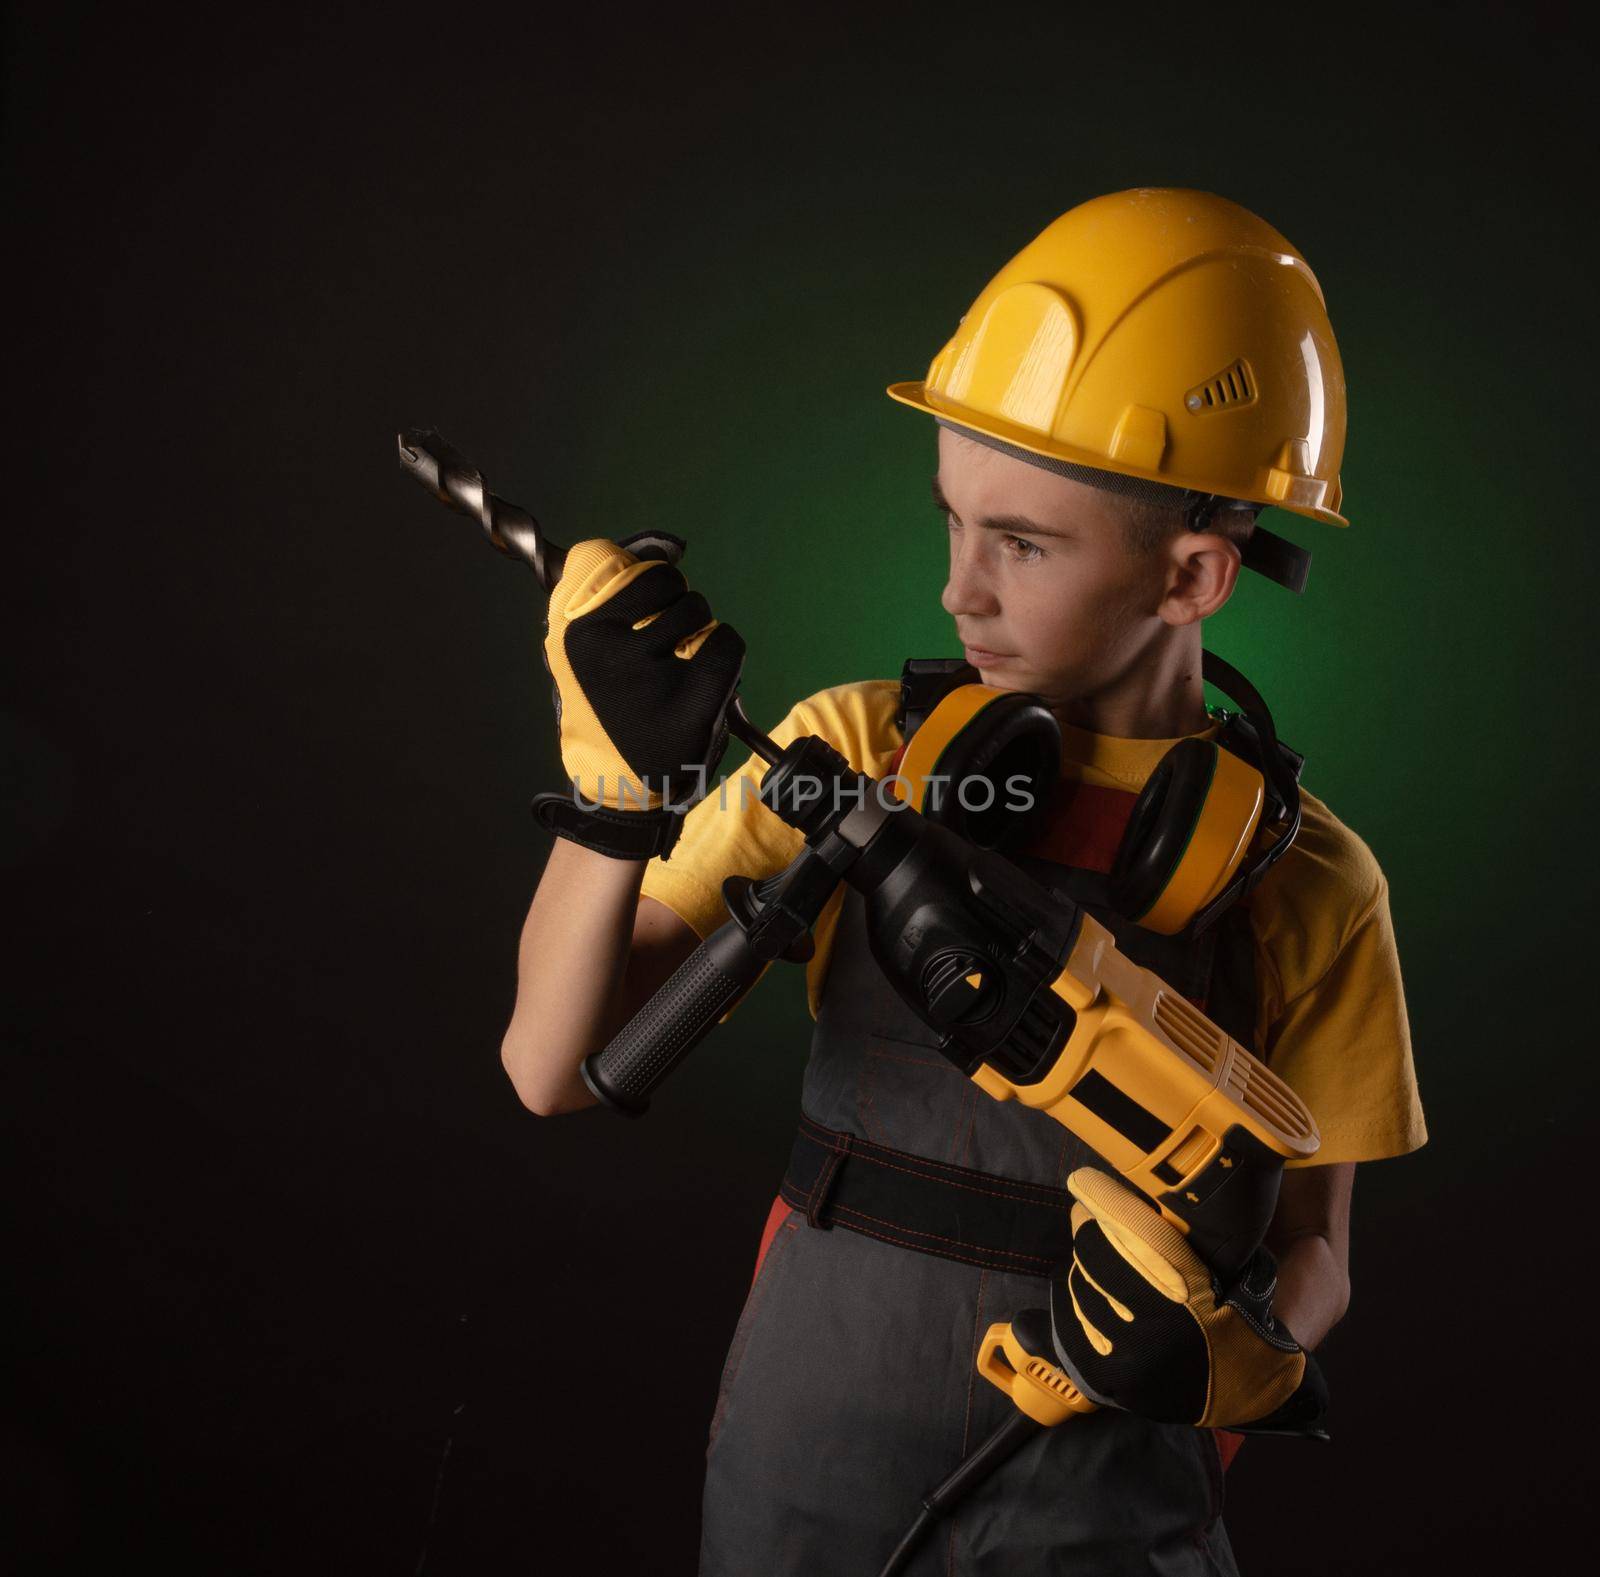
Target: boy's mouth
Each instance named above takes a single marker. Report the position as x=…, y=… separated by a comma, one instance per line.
x=981, y=657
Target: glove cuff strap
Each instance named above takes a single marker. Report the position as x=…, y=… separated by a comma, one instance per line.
x=1304, y=1413
x=624, y=835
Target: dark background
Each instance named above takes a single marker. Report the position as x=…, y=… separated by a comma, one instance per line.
x=296, y=1285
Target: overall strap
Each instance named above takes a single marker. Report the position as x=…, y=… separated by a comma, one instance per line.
x=934, y=1207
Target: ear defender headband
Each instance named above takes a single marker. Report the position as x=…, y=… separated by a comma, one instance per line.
x=1185, y=855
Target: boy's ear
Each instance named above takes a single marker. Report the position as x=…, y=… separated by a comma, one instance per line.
x=1202, y=570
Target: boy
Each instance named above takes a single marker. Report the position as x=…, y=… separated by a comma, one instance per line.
x=1113, y=412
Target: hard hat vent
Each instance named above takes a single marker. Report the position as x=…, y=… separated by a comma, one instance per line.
x=1235, y=385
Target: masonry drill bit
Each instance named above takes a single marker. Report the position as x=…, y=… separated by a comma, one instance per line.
x=455, y=481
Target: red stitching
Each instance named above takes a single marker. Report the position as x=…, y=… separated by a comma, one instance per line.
x=865, y=1096
x=916, y=1062
x=799, y=1199
x=875, y=1152
x=971, y=1114
x=741, y=1340
x=942, y=1253
x=966, y=1423
x=999, y=1253
x=819, y=1189
x=972, y=1188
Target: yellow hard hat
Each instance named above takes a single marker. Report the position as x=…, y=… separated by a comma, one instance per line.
x=1165, y=336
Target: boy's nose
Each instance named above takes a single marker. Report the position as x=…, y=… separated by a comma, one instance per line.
x=968, y=590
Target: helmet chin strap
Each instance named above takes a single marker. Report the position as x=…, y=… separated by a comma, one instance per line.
x=1269, y=555
x=1277, y=558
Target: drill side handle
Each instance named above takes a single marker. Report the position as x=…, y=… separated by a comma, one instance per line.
x=770, y=920
x=698, y=994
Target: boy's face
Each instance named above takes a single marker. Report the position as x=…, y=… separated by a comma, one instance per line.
x=1046, y=594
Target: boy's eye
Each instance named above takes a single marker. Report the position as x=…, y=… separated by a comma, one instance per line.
x=1022, y=550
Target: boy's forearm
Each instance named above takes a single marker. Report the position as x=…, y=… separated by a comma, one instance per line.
x=570, y=965
x=1313, y=1289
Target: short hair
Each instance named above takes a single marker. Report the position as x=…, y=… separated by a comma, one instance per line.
x=1148, y=525
x=1154, y=510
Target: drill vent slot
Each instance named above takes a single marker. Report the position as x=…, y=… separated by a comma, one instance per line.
x=1195, y=1035
x=1050, y=1378
x=1251, y=1084
x=1235, y=385
x=1269, y=1097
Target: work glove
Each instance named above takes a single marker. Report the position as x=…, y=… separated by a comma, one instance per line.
x=1142, y=1323
x=642, y=675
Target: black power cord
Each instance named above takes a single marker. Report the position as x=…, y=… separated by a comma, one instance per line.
x=1014, y=1433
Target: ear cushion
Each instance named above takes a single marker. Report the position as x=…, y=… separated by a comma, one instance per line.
x=979, y=733
x=1188, y=833
x=1161, y=826
x=1025, y=745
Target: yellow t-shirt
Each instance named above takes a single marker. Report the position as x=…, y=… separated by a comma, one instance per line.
x=1331, y=1016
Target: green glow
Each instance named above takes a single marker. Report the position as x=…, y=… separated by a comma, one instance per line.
x=732, y=392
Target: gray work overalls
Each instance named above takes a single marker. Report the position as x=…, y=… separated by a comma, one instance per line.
x=849, y=1390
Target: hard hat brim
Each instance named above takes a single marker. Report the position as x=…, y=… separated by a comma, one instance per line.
x=917, y=396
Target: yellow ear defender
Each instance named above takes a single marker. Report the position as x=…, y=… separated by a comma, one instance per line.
x=983, y=763
x=1186, y=853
